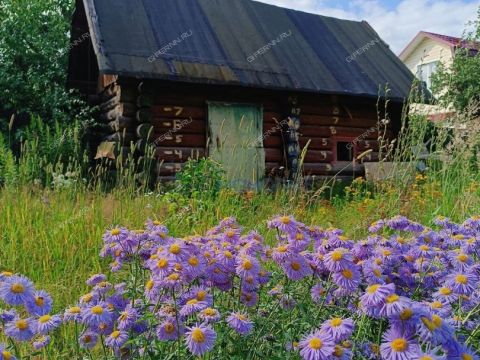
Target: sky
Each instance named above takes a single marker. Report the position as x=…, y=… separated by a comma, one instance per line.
x=396, y=21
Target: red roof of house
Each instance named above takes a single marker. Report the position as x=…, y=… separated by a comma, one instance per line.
x=452, y=40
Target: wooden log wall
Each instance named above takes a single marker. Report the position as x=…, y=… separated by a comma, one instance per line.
x=172, y=119
x=117, y=109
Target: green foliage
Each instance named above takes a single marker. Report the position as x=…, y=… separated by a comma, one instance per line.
x=459, y=84
x=203, y=177
x=33, y=54
x=8, y=169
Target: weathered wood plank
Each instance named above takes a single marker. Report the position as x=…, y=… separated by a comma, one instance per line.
x=187, y=126
x=179, y=154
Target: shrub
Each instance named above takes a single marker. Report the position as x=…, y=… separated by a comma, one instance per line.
x=203, y=177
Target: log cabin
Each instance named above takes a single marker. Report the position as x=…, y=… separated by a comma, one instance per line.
x=265, y=91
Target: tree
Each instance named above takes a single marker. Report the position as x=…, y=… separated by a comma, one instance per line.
x=459, y=84
x=33, y=58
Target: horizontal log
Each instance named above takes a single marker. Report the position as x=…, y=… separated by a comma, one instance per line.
x=122, y=137
x=318, y=156
x=337, y=121
x=316, y=143
x=338, y=131
x=273, y=155
x=144, y=131
x=122, y=123
x=272, y=117
x=184, y=112
x=181, y=140
x=332, y=169
x=272, y=141
x=367, y=110
x=363, y=145
x=179, y=154
x=187, y=126
x=168, y=169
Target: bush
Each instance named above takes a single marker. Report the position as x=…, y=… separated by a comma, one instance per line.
x=203, y=177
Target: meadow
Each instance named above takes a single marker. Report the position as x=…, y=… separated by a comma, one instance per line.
x=53, y=230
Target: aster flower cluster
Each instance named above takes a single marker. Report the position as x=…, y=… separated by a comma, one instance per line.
x=405, y=292
x=25, y=316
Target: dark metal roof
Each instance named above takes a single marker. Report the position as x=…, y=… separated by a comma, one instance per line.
x=243, y=42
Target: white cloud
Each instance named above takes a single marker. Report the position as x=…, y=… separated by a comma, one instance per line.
x=398, y=26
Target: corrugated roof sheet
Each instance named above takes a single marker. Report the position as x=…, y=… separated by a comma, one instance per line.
x=243, y=42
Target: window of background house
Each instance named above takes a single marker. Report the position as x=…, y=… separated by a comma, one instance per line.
x=425, y=72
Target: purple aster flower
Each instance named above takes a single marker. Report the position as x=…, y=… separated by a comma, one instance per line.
x=5, y=354
x=394, y=305
x=116, y=339
x=240, y=323
x=41, y=342
x=20, y=329
x=88, y=340
x=247, y=266
x=348, y=278
x=434, y=329
x=317, y=292
x=200, y=339
x=209, y=315
x=462, y=283
x=460, y=352
x=102, y=288
x=249, y=299
x=46, y=323
x=296, y=268
x=39, y=304
x=287, y=302
x=338, y=259
x=192, y=306
x=282, y=252
x=160, y=266
x=73, y=313
x=340, y=329
x=286, y=224
x=168, y=330
x=398, y=346
x=127, y=318
x=94, y=315
x=317, y=346
x=7, y=315
x=16, y=290
x=177, y=251
x=445, y=295
x=376, y=294
x=96, y=279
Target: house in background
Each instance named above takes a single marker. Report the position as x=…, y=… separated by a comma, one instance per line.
x=245, y=83
x=422, y=56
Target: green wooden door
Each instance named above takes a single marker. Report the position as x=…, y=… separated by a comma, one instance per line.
x=236, y=142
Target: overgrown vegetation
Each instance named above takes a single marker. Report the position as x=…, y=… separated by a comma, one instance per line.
x=458, y=85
